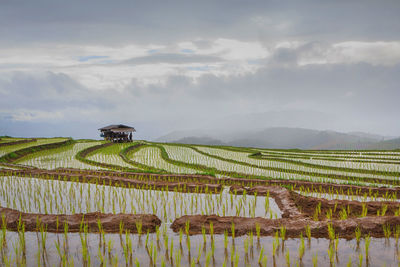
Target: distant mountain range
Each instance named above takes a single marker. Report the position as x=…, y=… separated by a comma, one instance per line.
x=285, y=138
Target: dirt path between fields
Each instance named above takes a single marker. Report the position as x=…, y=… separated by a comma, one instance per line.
x=293, y=226
x=110, y=223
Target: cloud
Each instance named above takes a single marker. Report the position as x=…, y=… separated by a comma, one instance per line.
x=172, y=64
x=45, y=91
x=87, y=58
x=32, y=115
x=374, y=53
x=174, y=21
x=342, y=90
x=172, y=58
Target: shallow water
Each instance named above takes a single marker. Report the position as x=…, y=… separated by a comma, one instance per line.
x=60, y=197
x=17, y=192
x=381, y=251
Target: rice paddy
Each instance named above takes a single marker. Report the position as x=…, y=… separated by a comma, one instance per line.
x=216, y=206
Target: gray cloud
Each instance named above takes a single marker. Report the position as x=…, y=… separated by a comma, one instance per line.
x=172, y=58
x=344, y=91
x=309, y=73
x=46, y=91
x=169, y=21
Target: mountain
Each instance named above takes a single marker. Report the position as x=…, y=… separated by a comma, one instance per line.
x=200, y=141
x=372, y=136
x=387, y=144
x=283, y=137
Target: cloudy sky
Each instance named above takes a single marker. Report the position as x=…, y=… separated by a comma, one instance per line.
x=69, y=67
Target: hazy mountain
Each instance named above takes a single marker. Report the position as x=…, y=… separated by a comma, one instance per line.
x=237, y=126
x=200, y=140
x=284, y=118
x=387, y=144
x=282, y=137
x=278, y=129
x=372, y=136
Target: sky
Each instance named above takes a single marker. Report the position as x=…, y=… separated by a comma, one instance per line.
x=70, y=67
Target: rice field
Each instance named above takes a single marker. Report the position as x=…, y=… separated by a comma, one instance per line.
x=216, y=184
x=40, y=141
x=319, y=170
x=151, y=156
x=63, y=157
x=110, y=155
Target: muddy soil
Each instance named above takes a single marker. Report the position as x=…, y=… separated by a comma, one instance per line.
x=55, y=223
x=294, y=227
x=337, y=208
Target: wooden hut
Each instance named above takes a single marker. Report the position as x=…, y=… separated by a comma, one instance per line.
x=117, y=133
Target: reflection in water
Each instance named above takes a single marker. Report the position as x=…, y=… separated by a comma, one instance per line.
x=171, y=248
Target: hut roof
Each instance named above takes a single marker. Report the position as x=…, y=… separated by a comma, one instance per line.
x=118, y=128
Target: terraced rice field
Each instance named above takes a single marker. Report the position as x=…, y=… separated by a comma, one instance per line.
x=40, y=141
x=151, y=156
x=110, y=155
x=63, y=157
x=70, y=202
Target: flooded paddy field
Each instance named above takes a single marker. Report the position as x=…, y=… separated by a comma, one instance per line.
x=170, y=249
x=90, y=203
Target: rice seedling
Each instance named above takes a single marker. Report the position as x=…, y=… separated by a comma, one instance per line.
x=397, y=233
x=315, y=260
x=331, y=232
x=282, y=233
x=367, y=243
x=287, y=258
x=308, y=232
x=387, y=230
x=349, y=262
x=301, y=247
x=331, y=254
x=261, y=256
x=358, y=235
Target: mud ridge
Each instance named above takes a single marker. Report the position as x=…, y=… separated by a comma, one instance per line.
x=336, y=207
x=294, y=227
x=110, y=223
